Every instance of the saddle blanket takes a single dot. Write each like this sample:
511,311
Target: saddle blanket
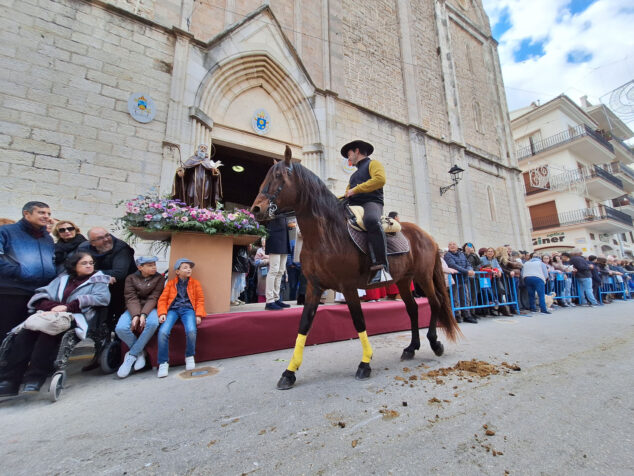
397,243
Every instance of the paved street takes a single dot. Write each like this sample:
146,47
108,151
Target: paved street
569,410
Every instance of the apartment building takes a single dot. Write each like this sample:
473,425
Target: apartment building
578,179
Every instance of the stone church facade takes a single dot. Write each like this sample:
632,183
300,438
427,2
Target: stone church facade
420,80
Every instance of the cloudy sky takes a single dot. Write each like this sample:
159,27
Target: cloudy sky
576,47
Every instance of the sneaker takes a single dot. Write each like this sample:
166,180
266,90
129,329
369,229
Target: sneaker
190,364
272,306
140,361
281,303
126,366
163,369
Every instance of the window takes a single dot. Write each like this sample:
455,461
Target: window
477,116
592,236
492,211
624,237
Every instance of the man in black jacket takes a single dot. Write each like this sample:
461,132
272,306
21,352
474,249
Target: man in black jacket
115,258
366,189
584,277
277,247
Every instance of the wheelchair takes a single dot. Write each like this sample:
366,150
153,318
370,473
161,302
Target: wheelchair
107,350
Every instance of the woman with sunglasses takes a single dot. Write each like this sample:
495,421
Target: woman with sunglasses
68,239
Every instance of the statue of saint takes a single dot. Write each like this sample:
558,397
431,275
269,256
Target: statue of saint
198,181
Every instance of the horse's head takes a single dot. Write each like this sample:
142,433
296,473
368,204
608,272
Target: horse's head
277,192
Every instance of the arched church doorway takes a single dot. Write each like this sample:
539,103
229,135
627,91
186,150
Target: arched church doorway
242,174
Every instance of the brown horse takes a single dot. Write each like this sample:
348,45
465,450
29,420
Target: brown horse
330,260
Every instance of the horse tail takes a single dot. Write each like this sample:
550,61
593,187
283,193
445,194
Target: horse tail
445,316
429,275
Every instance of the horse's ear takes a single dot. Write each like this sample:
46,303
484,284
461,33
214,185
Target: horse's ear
287,156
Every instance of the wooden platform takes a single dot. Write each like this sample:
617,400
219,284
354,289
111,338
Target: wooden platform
249,329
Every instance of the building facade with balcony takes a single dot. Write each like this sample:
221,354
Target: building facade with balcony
578,179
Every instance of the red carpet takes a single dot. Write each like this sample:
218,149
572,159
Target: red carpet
244,333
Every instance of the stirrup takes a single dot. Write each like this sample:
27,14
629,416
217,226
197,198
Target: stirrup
380,276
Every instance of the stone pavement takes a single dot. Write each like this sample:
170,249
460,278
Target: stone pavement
569,410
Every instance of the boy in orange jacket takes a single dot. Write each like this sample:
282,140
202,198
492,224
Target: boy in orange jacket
181,299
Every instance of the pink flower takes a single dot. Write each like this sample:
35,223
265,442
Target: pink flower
164,215
231,216
136,209
184,219
147,217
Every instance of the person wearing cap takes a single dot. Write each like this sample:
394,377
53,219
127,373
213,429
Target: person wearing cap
181,299
142,291
365,189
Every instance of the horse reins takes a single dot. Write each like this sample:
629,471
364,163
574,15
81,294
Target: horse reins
273,197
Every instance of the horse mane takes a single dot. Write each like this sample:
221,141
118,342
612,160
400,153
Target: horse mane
314,198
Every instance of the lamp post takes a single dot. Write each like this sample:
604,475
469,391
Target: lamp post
456,176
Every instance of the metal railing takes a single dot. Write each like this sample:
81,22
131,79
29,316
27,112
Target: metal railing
597,171
618,168
564,285
583,215
481,291
560,138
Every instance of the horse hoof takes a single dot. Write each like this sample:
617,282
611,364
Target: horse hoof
438,349
407,355
363,372
287,380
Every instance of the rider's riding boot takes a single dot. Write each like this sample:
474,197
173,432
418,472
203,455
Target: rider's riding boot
378,256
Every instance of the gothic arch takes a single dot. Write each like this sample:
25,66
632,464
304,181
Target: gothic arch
233,76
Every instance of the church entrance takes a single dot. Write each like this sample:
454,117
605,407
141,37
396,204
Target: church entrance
242,174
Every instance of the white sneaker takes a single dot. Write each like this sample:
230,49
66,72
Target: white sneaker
126,366
140,361
162,370
189,363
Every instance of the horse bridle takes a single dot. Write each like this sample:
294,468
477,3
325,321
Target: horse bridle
272,197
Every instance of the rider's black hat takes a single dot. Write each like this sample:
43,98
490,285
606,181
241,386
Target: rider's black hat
357,144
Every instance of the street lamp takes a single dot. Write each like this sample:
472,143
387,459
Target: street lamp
456,176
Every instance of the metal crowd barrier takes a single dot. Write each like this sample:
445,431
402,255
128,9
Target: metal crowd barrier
557,283
481,291
612,285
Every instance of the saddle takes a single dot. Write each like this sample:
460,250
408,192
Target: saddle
396,241
355,220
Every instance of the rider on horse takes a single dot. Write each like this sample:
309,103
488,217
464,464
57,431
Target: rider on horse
365,189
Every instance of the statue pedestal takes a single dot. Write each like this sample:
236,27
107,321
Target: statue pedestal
212,255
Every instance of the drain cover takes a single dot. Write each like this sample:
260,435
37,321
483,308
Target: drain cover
199,372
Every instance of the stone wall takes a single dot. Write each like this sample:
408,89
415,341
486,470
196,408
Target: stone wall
66,71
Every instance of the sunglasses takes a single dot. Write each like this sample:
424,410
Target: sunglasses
64,230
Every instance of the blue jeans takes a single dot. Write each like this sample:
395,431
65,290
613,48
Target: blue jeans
188,316
124,332
585,291
534,284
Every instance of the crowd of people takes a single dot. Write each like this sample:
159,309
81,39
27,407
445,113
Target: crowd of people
47,287
532,275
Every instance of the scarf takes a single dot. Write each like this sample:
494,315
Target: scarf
65,248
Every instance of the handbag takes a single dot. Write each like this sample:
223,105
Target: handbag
49,322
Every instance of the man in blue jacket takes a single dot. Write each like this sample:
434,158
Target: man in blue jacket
457,260
26,263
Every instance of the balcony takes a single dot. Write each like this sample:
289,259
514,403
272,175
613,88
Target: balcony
582,139
624,204
622,172
600,219
594,181
623,151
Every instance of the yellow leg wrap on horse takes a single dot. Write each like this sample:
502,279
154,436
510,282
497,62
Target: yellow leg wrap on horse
298,353
367,348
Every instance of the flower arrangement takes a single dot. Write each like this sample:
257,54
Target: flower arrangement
153,213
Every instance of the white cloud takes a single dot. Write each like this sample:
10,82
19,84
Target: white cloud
603,30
